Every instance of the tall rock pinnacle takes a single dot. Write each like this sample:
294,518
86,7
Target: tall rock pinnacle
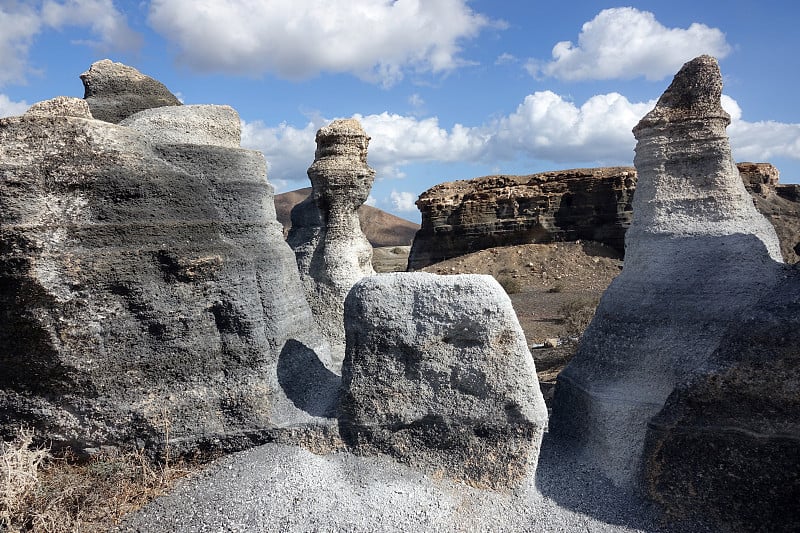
331,250
697,255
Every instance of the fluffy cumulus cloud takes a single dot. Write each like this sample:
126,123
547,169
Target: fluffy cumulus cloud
378,40
762,140
626,43
403,201
22,21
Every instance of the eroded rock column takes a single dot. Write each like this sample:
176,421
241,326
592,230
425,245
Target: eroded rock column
698,256
331,250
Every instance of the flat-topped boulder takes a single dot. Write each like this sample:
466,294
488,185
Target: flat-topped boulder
698,257
115,91
438,375
61,106
332,252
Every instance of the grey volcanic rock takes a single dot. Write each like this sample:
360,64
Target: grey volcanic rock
61,106
214,125
331,251
438,374
115,91
726,444
698,256
148,284
470,215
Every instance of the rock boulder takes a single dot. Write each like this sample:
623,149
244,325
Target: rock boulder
438,374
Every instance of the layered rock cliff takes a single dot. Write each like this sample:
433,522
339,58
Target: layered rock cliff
145,283
466,216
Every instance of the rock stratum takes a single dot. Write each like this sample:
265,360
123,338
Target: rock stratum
145,284
596,204
664,391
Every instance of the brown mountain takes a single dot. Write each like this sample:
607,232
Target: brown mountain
380,227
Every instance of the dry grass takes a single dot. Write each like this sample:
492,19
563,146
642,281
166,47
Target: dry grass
62,494
577,314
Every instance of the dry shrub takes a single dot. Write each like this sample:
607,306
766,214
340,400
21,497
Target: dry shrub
577,314
66,494
510,285
19,476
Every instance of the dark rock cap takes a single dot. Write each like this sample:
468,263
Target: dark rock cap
694,93
115,91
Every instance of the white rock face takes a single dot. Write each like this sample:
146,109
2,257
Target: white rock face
698,255
204,125
331,250
438,374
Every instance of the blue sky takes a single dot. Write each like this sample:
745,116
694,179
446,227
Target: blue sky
447,89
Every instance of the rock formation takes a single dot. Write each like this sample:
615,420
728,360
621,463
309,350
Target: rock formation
725,445
466,216
698,257
115,91
332,252
145,282
438,374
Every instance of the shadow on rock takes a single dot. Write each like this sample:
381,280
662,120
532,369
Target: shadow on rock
305,380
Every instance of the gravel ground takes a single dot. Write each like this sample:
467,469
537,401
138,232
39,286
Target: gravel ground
286,488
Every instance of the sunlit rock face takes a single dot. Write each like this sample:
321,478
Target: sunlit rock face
462,217
145,284
331,250
115,91
438,375
698,256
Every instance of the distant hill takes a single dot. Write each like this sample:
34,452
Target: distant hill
380,227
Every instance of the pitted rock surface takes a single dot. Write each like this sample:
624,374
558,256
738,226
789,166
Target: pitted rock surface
146,285
332,252
115,91
438,374
698,257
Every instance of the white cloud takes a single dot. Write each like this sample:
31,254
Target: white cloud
21,22
9,108
760,141
544,127
106,22
371,201
403,201
626,43
505,59
296,39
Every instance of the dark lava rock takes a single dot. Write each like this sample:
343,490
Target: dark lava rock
115,91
